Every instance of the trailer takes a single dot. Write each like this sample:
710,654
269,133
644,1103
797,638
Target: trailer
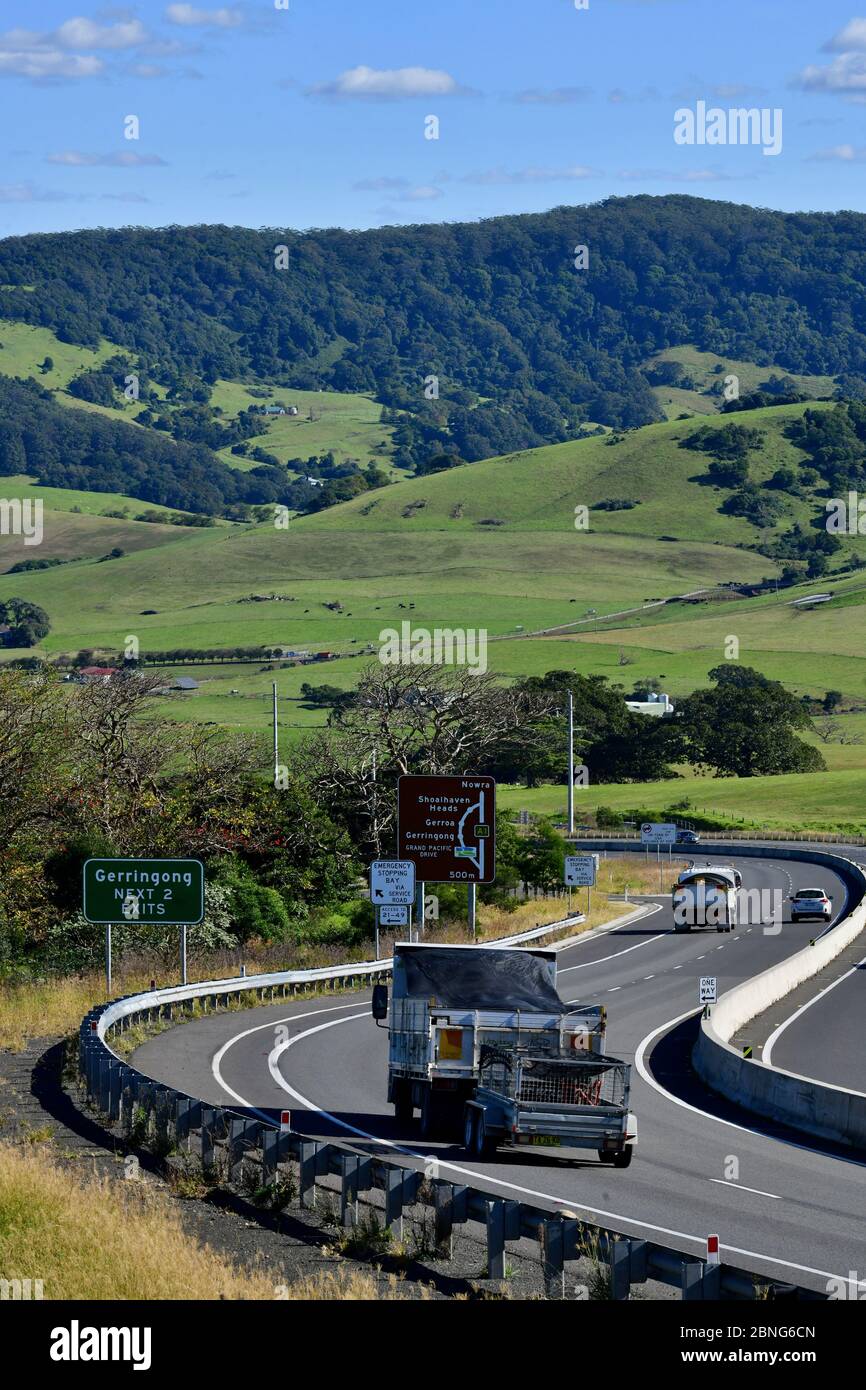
481,1043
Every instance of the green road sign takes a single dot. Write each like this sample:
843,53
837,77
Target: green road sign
170,891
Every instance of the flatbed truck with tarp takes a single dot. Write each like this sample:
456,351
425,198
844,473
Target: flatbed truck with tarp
481,1043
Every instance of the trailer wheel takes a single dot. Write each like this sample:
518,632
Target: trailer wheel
623,1158
482,1145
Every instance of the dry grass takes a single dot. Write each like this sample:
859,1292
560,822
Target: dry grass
94,1239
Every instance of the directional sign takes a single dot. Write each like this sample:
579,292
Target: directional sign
447,826
392,881
658,833
580,870
708,989
139,891
393,916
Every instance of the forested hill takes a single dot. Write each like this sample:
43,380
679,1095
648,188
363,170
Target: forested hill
526,345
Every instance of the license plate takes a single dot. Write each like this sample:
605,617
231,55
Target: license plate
542,1139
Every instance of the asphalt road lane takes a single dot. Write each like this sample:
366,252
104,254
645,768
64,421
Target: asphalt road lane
791,1210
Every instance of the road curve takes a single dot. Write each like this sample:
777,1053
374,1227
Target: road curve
791,1209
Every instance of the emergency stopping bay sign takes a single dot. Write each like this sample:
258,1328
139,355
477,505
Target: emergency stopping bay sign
143,890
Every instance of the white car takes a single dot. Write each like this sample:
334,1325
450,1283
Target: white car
811,902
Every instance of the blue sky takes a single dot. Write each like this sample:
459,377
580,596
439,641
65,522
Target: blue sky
315,115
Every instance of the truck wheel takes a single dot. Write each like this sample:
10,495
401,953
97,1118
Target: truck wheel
431,1115
403,1107
622,1159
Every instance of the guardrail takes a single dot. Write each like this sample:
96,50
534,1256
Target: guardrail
230,1142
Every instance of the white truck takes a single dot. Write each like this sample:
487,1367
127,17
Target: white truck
705,895
482,1044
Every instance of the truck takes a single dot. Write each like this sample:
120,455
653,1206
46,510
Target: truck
480,1042
705,895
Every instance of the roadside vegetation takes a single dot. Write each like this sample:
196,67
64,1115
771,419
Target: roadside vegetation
87,1238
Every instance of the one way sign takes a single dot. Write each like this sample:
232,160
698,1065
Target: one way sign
392,883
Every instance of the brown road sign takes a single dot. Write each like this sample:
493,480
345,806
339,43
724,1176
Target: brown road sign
447,827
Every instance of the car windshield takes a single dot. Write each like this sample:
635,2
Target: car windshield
810,893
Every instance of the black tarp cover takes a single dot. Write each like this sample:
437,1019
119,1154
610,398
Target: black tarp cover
479,978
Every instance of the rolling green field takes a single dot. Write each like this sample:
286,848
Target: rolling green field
809,801
347,425
703,367
489,546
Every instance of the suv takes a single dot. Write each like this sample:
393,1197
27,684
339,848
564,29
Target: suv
811,902
688,837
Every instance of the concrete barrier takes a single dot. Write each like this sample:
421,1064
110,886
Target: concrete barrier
815,1107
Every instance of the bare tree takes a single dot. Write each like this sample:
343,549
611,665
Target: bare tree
408,719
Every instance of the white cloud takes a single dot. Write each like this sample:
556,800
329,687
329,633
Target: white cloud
121,159
402,189
395,84
191,17
44,64
554,96
84,33
534,174
680,176
57,55
27,193
851,37
845,76
840,154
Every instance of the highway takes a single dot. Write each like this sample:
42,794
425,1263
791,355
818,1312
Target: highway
789,1207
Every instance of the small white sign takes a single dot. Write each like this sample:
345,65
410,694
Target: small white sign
580,870
392,882
393,915
708,989
658,833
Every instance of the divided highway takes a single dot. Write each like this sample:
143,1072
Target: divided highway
792,1209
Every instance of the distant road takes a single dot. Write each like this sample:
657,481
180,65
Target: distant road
599,618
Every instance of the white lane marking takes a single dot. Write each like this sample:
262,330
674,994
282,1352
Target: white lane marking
677,967
705,1114
757,1191
216,1071
273,1066
773,1038
616,954
649,977
613,989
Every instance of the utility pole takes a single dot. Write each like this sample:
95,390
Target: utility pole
276,738
570,762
